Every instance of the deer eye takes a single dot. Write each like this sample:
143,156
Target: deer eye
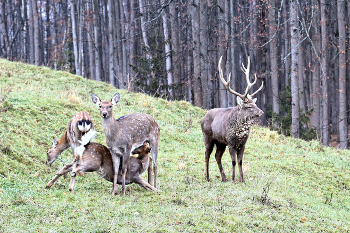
110,106
99,106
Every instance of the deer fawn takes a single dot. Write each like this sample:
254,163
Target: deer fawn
230,126
97,157
125,134
80,131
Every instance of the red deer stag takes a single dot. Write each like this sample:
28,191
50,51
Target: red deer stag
125,134
80,131
230,126
97,157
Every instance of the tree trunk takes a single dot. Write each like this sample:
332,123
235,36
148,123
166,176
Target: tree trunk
81,63
167,54
203,47
198,99
233,6
37,47
90,37
98,47
343,124
75,37
145,39
175,46
316,92
301,74
273,57
4,30
111,21
294,30
324,70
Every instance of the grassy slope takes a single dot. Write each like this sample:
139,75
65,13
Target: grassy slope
302,175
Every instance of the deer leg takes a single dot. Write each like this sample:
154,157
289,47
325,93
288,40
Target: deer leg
125,162
155,171
208,149
72,179
63,171
150,171
154,153
116,163
233,158
218,155
240,160
138,180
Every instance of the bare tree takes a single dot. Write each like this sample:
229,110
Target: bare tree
324,70
294,31
111,35
75,37
343,123
196,54
273,56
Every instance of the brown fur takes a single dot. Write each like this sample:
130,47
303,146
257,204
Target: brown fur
124,134
230,127
72,137
98,158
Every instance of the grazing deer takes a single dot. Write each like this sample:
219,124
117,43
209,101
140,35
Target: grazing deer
125,134
230,126
80,131
97,157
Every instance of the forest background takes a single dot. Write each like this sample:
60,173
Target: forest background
171,49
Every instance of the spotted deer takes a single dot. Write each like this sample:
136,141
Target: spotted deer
98,158
125,134
80,131
230,126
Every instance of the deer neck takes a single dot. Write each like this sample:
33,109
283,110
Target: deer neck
238,127
110,125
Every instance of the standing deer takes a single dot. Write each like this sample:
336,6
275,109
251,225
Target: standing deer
125,134
230,126
97,157
80,131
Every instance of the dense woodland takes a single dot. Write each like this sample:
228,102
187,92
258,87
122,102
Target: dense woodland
171,49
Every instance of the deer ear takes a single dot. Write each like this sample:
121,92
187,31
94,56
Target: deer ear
254,100
115,99
95,99
55,142
239,101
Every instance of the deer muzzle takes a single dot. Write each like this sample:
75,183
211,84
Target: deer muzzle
260,112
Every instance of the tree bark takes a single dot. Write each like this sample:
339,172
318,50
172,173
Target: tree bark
343,124
324,70
273,56
316,92
198,99
75,37
98,47
145,39
111,21
175,47
203,47
294,30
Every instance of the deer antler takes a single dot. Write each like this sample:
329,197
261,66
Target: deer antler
227,84
246,72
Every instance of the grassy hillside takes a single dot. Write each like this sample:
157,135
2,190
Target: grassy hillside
291,185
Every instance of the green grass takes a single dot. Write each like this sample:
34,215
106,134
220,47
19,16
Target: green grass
306,186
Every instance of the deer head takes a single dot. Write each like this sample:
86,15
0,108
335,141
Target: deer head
106,107
52,153
246,97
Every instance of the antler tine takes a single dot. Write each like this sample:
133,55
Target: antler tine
226,84
256,92
246,72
